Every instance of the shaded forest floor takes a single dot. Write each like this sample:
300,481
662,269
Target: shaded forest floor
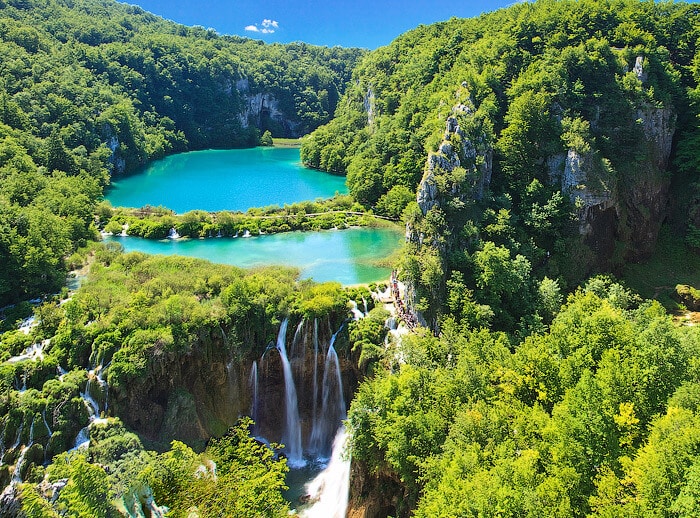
672,263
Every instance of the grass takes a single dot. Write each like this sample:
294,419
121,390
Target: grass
672,263
286,142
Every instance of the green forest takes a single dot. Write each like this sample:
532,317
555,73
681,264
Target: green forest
545,160
91,89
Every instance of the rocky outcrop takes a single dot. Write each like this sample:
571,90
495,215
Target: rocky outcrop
259,109
373,495
10,502
194,395
628,205
370,106
117,162
441,184
473,153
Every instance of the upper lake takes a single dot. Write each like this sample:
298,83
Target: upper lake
215,180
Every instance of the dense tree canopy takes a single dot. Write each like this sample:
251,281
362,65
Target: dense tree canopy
93,88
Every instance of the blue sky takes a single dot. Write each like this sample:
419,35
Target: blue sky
359,23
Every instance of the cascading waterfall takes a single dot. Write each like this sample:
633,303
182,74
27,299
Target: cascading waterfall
356,313
328,493
292,436
82,440
323,411
298,344
46,424
17,473
333,409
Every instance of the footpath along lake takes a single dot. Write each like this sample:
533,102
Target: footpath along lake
243,178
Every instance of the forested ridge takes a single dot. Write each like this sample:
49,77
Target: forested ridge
567,124
525,150
91,89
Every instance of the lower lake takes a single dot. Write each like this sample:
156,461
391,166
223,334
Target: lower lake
235,179
349,256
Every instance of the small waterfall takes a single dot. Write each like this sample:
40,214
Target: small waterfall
364,302
173,234
356,313
96,391
46,424
329,491
31,432
295,351
254,391
19,436
333,409
292,436
16,474
82,440
34,352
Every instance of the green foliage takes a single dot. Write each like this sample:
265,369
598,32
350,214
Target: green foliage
337,212
581,419
266,139
92,88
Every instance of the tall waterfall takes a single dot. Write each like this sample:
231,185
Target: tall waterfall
314,395
333,410
292,435
329,491
254,391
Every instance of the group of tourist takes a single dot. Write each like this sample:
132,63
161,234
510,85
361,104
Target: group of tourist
404,313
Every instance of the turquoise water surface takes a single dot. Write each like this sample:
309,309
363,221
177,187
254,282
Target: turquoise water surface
234,179
347,256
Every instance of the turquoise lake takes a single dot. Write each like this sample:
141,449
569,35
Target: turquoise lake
347,256
235,179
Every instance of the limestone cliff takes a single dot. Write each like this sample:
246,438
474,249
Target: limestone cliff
198,394
460,170
627,205
261,109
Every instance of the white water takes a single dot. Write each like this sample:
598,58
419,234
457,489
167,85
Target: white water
254,389
173,234
33,352
292,435
332,404
356,313
94,383
328,492
46,424
16,474
315,392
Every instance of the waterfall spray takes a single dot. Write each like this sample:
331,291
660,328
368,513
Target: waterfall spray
333,409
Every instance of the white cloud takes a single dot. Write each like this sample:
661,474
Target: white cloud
267,26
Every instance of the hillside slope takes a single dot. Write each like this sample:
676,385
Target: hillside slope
546,129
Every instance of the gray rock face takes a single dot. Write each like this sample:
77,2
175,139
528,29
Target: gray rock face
475,155
632,211
257,106
10,503
118,163
369,104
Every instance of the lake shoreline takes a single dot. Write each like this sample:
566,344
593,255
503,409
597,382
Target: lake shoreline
351,256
